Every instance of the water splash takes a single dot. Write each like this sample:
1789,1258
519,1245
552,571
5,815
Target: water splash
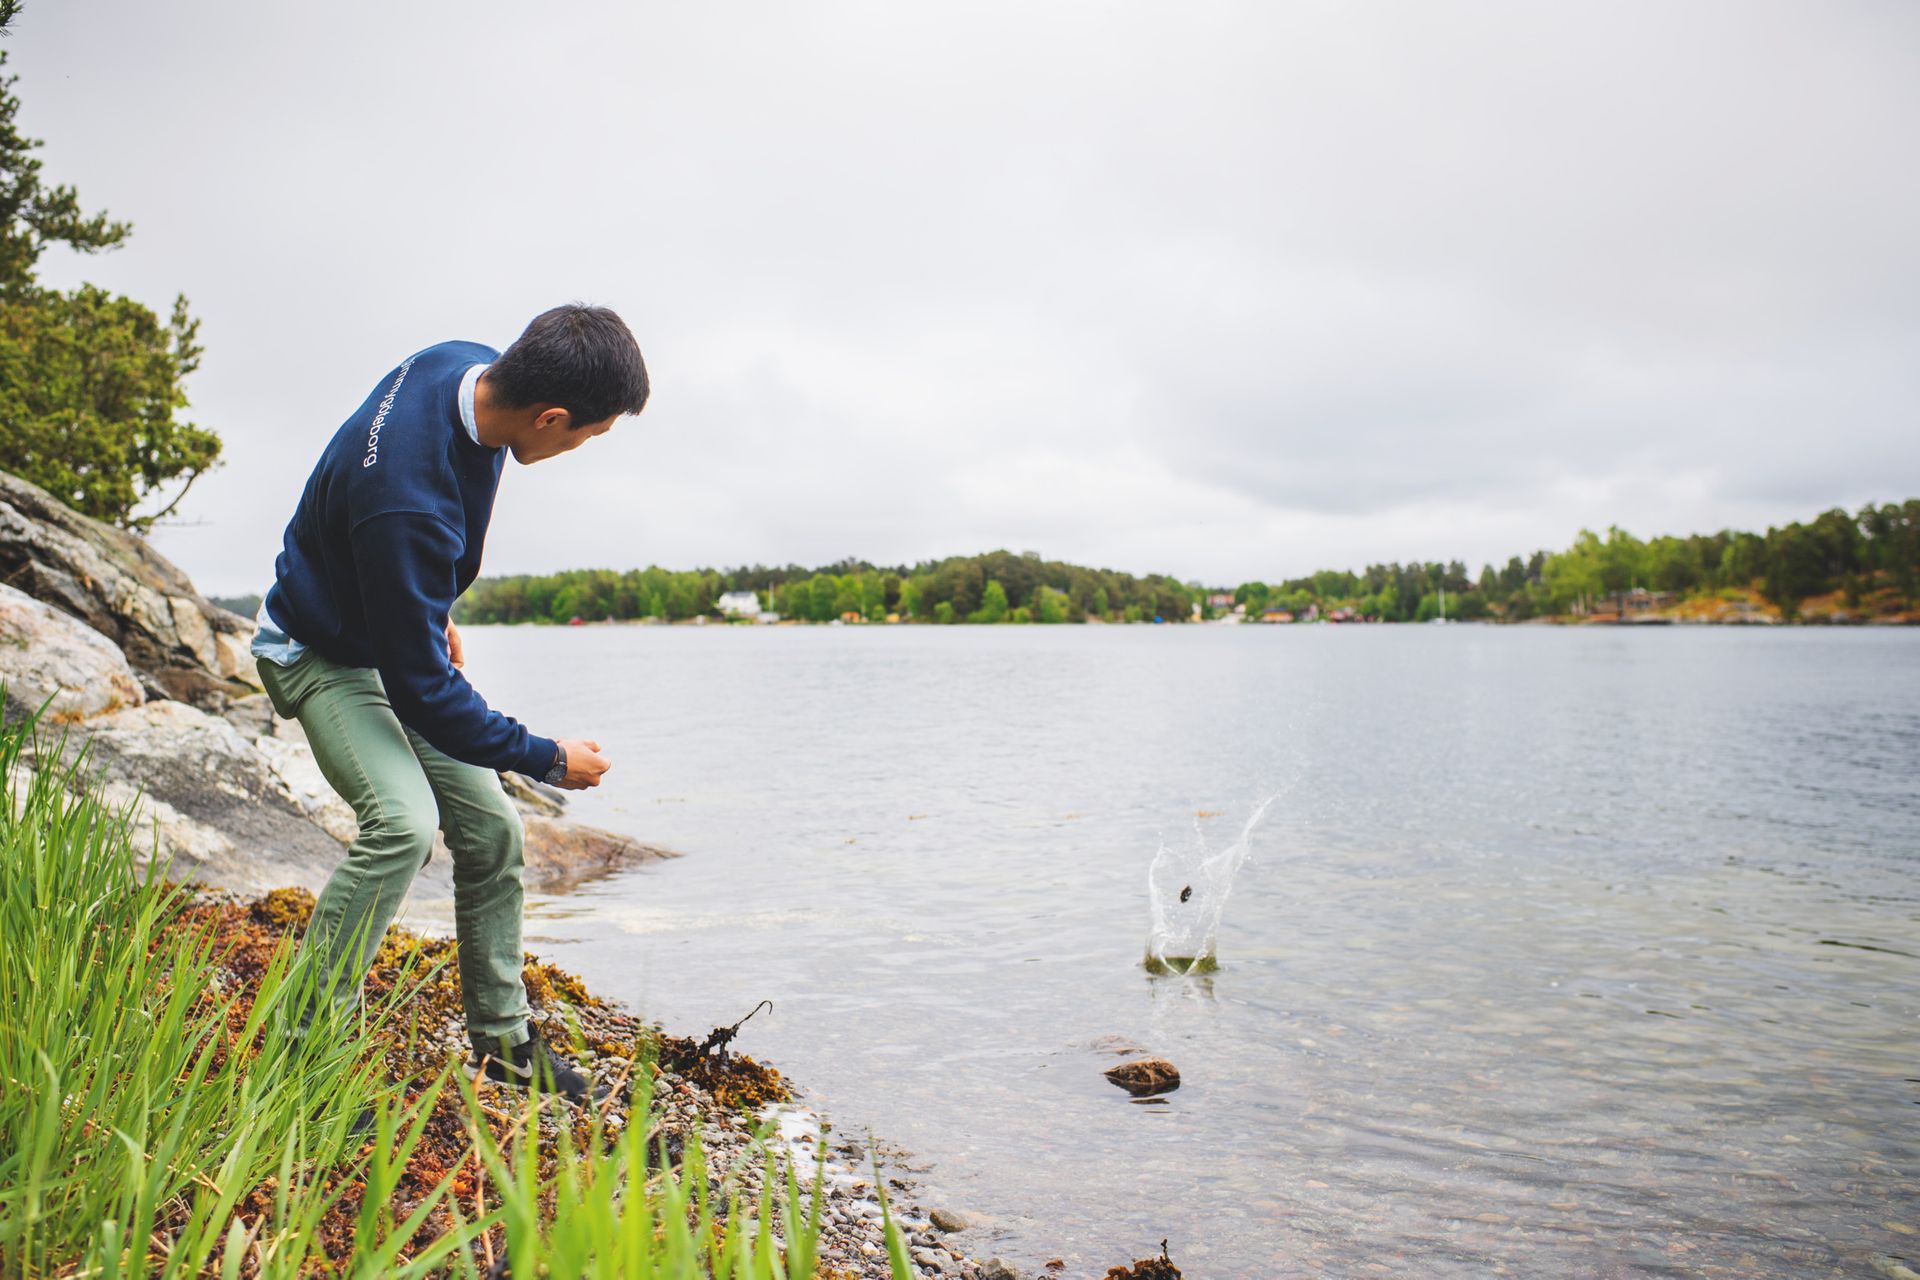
1187,889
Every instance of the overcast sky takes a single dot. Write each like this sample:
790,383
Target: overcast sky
1226,291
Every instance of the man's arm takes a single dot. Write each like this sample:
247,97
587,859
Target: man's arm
405,562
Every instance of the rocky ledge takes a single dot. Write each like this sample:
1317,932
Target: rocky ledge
154,683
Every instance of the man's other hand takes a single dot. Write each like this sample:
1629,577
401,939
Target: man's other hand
455,653
585,764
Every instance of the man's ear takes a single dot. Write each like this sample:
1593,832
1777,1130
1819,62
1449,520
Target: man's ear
553,416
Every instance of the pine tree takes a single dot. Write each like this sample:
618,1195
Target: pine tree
90,382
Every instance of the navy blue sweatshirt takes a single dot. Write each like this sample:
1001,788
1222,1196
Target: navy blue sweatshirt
387,535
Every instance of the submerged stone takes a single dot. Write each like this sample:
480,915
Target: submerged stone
1145,1076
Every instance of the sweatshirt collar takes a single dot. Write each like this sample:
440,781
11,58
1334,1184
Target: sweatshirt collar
468,381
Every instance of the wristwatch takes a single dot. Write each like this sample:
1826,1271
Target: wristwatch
557,774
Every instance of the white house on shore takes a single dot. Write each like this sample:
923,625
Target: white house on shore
739,604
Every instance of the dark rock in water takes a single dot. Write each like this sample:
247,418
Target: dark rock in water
948,1220
1186,893
1145,1076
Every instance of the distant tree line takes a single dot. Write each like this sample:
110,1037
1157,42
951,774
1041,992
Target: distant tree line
1382,592
1874,550
996,587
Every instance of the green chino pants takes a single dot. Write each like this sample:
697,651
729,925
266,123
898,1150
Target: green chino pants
402,789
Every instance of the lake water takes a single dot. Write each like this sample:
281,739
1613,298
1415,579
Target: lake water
1565,952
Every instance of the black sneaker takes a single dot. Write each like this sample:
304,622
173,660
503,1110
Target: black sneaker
531,1064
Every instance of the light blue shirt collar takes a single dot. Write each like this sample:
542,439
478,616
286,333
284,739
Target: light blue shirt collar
467,383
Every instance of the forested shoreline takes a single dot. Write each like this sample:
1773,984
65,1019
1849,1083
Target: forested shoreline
1868,562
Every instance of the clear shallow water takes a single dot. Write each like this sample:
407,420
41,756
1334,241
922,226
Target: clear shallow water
1566,952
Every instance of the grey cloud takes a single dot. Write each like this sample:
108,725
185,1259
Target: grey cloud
1222,289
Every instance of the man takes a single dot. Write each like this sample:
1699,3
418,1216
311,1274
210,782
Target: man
356,643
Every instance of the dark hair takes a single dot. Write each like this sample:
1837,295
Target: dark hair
578,357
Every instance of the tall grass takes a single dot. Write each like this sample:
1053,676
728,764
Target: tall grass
138,1104
155,1122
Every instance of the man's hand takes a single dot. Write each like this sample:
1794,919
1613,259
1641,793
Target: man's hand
455,654
585,764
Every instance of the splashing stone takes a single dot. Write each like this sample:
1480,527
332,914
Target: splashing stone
1187,890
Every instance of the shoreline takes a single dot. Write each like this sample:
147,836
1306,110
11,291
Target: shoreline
735,1108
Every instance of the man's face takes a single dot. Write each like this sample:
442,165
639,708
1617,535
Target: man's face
551,436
